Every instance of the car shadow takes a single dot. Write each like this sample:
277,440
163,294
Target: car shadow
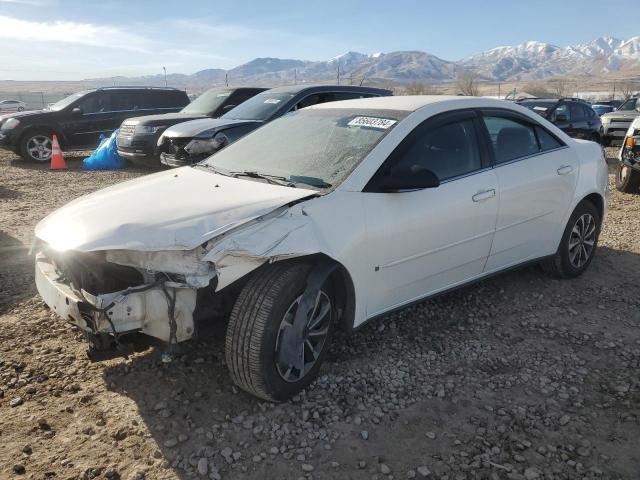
190,406
73,161
16,272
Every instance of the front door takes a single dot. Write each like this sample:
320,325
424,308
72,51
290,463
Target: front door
424,241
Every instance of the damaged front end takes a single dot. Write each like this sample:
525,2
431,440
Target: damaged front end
179,151
119,292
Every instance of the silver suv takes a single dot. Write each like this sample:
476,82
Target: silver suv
615,124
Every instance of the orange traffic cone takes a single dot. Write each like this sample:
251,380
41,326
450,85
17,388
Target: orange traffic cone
57,160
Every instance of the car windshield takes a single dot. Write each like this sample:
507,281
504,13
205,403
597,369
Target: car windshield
317,148
541,108
602,109
260,107
208,102
631,104
65,102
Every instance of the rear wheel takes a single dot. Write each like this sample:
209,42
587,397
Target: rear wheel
579,243
36,146
264,309
627,179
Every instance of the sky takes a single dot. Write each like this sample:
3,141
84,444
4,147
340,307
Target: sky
79,39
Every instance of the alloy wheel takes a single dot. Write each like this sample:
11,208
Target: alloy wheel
39,148
313,338
582,240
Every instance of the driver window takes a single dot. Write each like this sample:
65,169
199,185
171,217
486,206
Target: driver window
96,103
448,150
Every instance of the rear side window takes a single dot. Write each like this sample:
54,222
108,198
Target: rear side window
351,95
510,139
546,140
577,112
449,150
124,101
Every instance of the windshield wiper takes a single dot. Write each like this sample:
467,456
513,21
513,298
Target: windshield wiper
215,169
274,179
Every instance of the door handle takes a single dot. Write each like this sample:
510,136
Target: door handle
484,195
564,170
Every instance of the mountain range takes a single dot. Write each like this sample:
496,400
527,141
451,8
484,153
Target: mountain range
527,61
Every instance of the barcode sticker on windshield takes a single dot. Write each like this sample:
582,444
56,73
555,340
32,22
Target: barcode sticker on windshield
372,122
272,100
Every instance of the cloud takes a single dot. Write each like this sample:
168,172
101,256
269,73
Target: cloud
87,34
31,3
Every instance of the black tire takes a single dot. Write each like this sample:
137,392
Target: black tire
595,137
21,109
25,146
627,179
605,141
561,265
254,324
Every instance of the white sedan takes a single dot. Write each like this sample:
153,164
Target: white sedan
12,106
327,217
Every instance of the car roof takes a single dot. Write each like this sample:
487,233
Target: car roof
295,89
410,103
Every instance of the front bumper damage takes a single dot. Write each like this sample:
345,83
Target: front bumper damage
160,308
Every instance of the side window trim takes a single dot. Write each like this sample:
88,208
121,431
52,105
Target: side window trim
430,123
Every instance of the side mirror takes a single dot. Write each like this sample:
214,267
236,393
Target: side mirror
409,179
562,117
226,108
76,112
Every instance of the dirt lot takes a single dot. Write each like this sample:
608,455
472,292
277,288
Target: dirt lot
518,377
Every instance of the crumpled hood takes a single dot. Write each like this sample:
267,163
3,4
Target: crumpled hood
203,127
173,210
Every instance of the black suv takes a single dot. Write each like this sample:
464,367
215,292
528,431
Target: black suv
572,115
192,141
79,119
138,136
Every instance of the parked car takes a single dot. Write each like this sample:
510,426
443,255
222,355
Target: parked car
79,119
12,106
193,141
616,124
573,116
628,172
602,109
138,137
324,218
612,103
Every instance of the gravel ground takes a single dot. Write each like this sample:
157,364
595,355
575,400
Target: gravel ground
517,377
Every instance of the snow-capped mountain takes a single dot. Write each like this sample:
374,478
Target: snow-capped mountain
536,60
526,61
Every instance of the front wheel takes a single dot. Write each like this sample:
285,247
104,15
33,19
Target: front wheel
36,146
579,243
627,179
265,308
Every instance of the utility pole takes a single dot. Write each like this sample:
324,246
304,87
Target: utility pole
295,76
614,90
164,69
338,72
499,90
226,78
351,79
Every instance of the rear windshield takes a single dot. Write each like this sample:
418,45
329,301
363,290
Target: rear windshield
208,102
260,107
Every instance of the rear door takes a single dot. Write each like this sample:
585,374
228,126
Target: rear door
536,175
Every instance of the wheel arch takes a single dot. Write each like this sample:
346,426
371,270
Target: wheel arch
54,131
596,200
